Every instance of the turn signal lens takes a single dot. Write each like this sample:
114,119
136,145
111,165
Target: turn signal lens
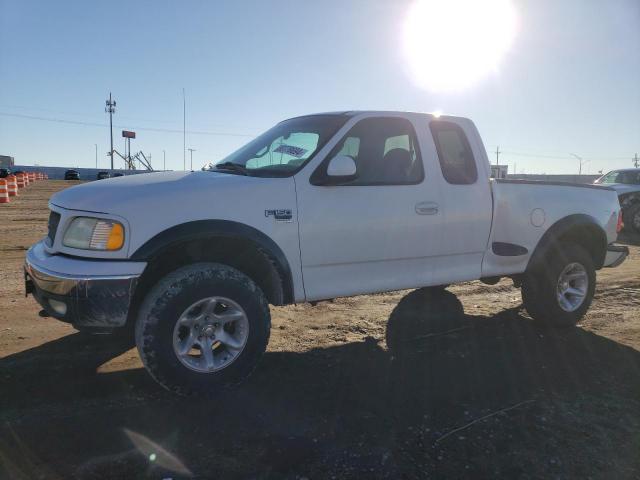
116,237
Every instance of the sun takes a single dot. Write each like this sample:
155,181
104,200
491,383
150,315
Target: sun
451,44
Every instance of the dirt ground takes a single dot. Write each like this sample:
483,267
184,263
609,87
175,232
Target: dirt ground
493,395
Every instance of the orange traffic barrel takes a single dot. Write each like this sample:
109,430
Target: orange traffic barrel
26,179
32,177
12,186
20,180
4,193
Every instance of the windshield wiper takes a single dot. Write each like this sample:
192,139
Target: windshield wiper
232,167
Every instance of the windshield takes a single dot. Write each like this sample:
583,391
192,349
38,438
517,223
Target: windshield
284,149
625,177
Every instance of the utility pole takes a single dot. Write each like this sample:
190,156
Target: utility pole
164,161
184,131
191,150
636,161
110,109
497,156
96,145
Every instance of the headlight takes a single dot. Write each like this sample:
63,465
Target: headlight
94,234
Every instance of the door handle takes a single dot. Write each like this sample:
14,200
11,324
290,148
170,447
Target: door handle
427,208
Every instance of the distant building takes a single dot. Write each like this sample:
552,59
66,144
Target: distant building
499,171
6,161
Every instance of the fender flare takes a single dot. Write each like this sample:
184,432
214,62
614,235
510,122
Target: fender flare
564,226
202,229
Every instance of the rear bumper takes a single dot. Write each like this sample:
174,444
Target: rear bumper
67,291
616,254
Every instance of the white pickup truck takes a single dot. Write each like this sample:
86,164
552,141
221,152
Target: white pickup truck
319,206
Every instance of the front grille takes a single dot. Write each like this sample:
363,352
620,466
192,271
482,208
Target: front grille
54,220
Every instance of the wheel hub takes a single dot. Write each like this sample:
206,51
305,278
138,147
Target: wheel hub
573,285
210,334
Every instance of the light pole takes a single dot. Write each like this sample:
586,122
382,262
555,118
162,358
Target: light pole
164,161
582,162
184,130
191,150
96,145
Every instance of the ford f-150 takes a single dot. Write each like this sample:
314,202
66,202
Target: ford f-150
318,207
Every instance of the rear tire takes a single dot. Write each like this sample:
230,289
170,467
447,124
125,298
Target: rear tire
631,218
202,328
560,292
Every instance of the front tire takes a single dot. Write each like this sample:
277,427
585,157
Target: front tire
560,292
202,328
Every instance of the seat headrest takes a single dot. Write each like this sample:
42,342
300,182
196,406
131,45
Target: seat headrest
396,165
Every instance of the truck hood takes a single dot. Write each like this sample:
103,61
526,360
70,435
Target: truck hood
150,190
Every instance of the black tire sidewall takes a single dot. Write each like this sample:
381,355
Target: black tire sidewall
539,292
630,216
165,303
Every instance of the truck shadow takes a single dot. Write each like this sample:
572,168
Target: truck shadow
350,405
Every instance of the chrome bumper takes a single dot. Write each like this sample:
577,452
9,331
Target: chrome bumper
80,299
616,254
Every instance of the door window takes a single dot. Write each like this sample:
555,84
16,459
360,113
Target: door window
385,151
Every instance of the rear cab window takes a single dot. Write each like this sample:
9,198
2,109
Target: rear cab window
454,153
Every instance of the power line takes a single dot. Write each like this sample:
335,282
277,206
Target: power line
102,125
555,157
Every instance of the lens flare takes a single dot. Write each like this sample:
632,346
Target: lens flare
451,45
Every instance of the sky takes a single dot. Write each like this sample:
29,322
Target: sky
568,83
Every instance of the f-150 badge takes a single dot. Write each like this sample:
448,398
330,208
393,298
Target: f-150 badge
284,215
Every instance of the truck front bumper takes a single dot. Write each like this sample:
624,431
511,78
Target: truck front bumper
86,293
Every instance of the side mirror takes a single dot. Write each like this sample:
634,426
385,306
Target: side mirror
341,168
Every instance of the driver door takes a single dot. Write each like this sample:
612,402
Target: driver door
378,232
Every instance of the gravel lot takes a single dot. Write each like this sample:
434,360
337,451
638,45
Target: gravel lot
495,396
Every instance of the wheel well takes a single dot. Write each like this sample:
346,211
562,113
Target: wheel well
589,237
578,229
242,254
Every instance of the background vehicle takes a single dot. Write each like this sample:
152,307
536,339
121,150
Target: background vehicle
71,175
102,175
118,174
627,183
4,172
318,207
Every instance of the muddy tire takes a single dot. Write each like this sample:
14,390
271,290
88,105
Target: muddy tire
631,217
202,328
560,293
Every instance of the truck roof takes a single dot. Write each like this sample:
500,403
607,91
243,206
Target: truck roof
353,113
625,170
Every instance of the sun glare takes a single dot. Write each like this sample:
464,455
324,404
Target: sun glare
450,45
